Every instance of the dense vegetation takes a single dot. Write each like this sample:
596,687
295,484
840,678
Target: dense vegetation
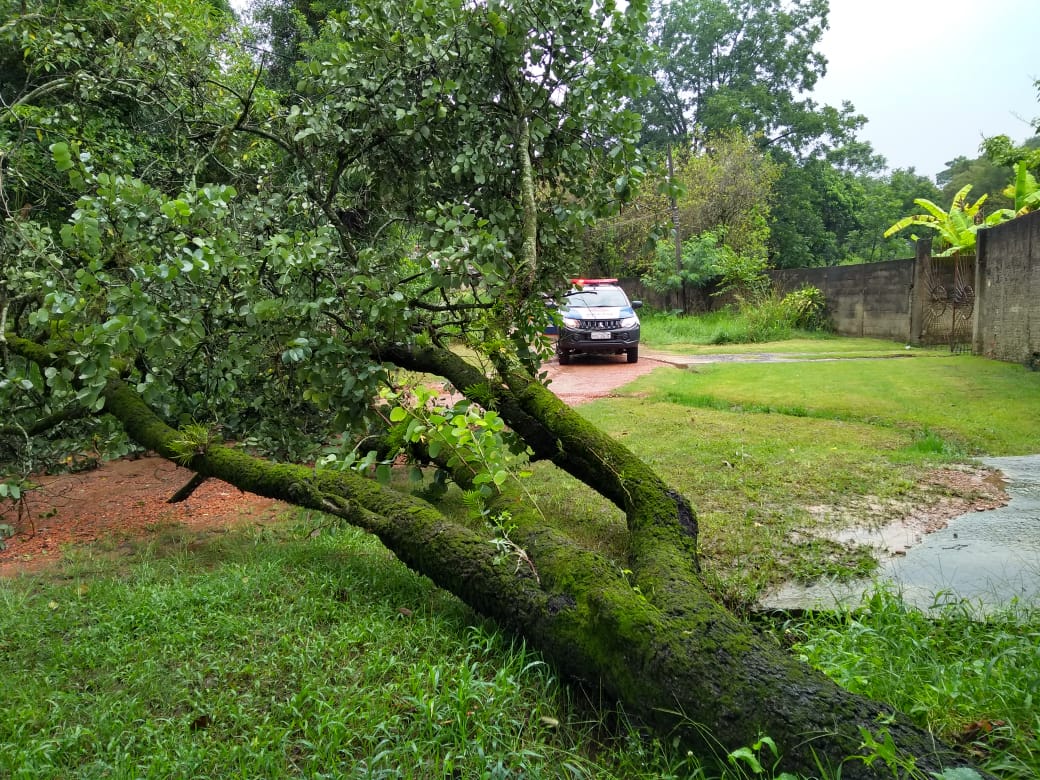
812,193
234,247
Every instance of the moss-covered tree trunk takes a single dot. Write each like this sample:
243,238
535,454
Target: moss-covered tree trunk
657,643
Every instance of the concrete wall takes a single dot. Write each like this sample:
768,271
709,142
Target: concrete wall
899,299
872,299
1007,284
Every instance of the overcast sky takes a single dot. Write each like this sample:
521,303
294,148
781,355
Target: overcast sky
934,76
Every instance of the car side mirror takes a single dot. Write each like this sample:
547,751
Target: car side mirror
636,304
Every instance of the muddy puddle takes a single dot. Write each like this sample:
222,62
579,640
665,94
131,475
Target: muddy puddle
990,559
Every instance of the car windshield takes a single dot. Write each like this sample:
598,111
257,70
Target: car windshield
598,296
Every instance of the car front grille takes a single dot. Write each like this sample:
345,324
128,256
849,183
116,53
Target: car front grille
600,324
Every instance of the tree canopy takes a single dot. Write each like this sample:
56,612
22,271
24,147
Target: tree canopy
241,242
744,64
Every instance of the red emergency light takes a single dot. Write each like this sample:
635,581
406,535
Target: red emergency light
592,282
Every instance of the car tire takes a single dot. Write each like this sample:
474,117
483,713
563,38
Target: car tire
633,355
565,358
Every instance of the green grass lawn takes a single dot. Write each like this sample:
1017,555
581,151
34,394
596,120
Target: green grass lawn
772,454
303,650
979,406
277,653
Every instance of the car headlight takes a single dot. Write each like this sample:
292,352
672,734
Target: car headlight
630,322
570,322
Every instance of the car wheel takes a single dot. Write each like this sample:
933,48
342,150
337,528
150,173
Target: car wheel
633,355
565,358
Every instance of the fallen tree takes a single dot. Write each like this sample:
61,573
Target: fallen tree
653,639
424,183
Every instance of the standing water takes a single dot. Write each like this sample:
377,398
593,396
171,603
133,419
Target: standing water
990,559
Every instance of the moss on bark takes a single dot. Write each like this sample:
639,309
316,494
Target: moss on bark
659,644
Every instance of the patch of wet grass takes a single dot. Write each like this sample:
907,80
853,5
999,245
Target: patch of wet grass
971,677
975,406
285,654
777,456
753,480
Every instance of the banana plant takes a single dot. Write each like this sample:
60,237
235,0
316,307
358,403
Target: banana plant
1025,191
957,228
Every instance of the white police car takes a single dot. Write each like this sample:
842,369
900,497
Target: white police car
596,316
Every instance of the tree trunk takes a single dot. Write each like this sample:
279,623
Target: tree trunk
659,643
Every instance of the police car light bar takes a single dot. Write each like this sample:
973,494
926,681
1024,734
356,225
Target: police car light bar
588,282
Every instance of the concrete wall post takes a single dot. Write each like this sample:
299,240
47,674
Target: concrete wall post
918,289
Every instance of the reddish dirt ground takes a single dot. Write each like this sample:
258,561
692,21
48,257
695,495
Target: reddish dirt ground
128,498
596,376
122,498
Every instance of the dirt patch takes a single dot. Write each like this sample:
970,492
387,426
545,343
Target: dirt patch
595,376
122,498
893,526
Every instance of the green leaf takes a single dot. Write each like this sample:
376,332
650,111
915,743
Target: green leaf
497,24
746,756
62,156
398,413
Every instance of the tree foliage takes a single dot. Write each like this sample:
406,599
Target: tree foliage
741,64
724,189
824,214
749,67
814,209
246,247
703,258
985,177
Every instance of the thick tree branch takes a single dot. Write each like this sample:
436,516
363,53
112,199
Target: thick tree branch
45,423
665,649
529,209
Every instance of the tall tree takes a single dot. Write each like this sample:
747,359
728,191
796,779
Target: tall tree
752,65
745,64
421,188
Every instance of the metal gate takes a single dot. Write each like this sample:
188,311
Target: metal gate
950,304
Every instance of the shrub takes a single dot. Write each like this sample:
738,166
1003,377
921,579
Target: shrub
770,317
806,308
